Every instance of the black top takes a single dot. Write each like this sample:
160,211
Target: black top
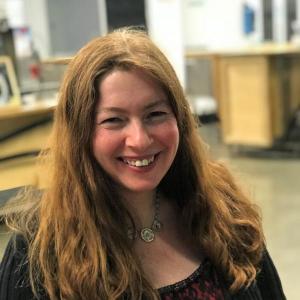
205,281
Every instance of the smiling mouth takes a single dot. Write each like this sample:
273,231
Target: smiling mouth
139,162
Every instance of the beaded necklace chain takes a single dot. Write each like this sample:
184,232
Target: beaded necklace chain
147,234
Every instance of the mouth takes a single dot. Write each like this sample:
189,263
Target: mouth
141,162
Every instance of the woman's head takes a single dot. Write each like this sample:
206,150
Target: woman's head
123,50
136,135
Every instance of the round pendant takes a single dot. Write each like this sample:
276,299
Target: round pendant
147,235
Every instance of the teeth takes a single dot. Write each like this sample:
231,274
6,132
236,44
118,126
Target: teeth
139,163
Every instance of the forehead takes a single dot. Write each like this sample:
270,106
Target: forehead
129,87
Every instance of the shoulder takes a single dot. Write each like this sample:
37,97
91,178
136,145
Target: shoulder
14,275
267,284
268,280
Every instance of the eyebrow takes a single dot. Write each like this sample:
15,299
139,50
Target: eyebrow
121,110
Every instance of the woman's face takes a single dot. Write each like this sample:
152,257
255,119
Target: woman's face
136,135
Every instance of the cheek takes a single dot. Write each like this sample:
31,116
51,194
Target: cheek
104,144
169,134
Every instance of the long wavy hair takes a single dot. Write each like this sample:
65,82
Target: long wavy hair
75,230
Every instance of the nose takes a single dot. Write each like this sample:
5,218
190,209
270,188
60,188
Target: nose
138,136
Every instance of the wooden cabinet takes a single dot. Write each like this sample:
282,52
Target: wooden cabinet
244,104
257,90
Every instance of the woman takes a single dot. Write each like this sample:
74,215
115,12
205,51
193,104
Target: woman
135,208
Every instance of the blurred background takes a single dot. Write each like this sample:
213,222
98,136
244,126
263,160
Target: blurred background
239,64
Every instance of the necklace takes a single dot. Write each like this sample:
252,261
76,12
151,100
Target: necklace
147,234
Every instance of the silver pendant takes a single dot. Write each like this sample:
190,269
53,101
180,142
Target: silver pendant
147,235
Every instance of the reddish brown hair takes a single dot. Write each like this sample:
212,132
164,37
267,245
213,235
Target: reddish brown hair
77,244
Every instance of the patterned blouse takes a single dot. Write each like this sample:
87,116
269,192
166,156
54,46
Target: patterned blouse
203,284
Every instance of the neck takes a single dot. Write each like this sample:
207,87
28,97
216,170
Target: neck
141,206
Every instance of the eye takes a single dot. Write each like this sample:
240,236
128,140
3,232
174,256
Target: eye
156,115
113,122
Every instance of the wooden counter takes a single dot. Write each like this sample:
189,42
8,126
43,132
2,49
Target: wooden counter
24,130
13,118
257,89
37,108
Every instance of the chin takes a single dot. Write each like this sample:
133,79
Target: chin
140,188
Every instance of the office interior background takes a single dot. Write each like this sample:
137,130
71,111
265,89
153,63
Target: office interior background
238,61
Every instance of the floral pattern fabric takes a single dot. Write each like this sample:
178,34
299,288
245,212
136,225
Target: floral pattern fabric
203,284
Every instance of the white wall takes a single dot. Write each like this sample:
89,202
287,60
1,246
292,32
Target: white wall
14,10
37,20
218,23
280,31
213,23
298,9
165,24
103,26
